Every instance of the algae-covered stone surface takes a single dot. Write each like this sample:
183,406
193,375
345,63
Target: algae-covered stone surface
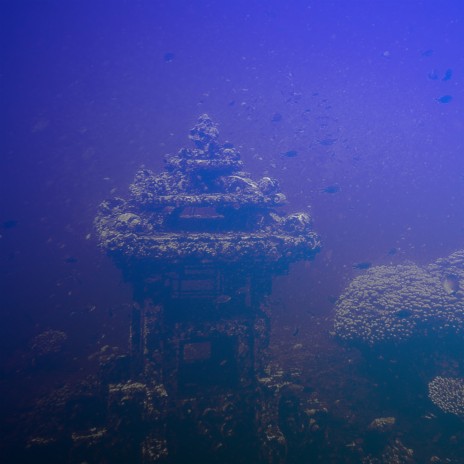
204,206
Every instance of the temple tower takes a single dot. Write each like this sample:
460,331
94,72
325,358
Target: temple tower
200,243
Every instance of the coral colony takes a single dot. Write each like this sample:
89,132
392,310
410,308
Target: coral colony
398,303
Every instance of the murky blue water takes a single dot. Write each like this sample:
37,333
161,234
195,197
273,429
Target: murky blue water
355,107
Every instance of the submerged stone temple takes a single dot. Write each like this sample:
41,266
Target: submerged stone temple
200,243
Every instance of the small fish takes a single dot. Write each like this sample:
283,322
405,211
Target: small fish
451,284
306,113
362,265
403,313
168,57
326,142
448,75
335,188
392,251
242,290
433,75
222,299
276,117
294,97
296,331
427,53
332,299
290,154
445,99
70,260
9,224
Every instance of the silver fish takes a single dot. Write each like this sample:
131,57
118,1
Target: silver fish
222,299
451,284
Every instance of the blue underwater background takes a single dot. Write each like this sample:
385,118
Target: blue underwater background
356,107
